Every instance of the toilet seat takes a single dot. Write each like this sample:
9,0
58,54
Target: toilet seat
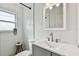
25,53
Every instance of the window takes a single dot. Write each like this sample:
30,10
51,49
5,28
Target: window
7,21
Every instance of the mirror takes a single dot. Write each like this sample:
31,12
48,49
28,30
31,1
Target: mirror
55,16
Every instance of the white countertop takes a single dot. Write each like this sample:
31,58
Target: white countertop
60,48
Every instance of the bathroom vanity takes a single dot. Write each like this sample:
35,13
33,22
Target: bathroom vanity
46,48
39,51
42,50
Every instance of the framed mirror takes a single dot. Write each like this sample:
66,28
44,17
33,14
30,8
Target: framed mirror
54,16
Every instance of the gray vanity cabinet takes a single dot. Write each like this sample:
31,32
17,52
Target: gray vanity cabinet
55,54
38,51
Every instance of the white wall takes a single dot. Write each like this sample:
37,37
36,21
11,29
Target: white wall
39,32
69,35
78,23
8,39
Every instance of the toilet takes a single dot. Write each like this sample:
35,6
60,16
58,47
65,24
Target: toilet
26,52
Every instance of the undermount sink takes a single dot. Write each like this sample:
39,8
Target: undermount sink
49,44
52,44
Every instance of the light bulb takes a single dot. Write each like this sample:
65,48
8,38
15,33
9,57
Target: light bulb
50,8
47,4
57,5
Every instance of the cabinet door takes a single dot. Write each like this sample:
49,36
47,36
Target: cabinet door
38,51
55,54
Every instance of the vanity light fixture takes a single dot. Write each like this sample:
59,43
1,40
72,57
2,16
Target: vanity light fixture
47,4
50,7
57,5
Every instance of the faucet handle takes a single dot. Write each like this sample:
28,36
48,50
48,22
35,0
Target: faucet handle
48,39
57,40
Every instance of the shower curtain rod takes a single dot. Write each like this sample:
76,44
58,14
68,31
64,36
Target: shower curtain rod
25,6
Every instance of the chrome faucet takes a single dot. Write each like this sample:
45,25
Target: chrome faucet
52,39
51,34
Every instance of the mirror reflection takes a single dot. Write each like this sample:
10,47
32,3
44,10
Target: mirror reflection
54,16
